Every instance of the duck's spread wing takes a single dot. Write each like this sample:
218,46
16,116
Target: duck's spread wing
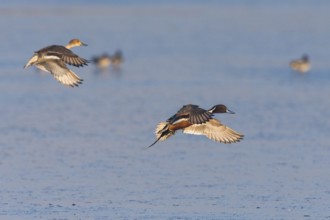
214,130
66,55
199,116
61,73
193,113
73,59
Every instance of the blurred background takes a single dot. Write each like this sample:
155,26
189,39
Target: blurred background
79,153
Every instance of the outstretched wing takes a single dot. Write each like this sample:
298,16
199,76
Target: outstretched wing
214,130
193,113
66,55
73,59
60,72
199,116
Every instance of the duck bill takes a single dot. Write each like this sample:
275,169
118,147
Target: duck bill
230,112
83,44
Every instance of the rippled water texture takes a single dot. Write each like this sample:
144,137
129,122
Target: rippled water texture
80,153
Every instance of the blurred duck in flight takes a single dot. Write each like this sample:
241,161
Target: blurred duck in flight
194,120
301,65
53,59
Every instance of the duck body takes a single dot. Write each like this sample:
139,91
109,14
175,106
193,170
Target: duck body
192,119
102,62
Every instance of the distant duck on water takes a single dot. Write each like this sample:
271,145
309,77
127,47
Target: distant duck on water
194,120
117,59
301,65
53,59
104,61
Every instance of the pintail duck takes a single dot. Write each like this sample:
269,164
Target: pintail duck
195,120
105,60
53,59
301,65
102,62
117,58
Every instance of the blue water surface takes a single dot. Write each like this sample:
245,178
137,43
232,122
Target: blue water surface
79,153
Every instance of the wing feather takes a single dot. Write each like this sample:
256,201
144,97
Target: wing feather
214,130
66,55
61,73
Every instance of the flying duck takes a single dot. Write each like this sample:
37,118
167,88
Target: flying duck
53,59
192,119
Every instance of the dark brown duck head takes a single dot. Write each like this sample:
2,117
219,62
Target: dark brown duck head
305,58
220,109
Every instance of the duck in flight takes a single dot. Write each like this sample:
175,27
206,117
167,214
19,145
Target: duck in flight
192,119
53,59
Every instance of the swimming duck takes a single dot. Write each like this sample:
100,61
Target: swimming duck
194,120
117,58
53,59
104,61
301,65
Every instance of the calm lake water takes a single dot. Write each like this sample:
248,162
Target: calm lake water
80,153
